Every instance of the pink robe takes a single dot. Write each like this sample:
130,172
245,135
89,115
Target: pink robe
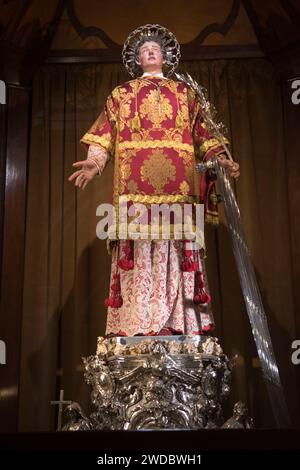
157,294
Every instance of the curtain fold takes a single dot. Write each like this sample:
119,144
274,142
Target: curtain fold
67,268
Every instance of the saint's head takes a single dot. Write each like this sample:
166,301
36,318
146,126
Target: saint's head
150,55
151,48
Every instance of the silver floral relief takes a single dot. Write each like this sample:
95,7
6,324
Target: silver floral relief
161,383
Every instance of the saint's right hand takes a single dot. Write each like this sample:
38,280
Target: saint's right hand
87,171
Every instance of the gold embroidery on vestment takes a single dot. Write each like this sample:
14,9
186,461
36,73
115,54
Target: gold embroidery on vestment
156,108
158,170
184,187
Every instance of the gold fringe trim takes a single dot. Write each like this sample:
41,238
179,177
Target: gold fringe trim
164,198
120,232
212,219
96,139
146,144
210,144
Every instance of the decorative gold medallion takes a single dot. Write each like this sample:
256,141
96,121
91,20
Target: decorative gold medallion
158,170
156,108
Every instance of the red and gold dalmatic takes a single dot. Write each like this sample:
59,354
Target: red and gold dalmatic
154,130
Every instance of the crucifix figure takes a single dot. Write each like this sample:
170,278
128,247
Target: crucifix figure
61,402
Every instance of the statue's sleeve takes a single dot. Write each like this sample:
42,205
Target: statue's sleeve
99,156
206,146
104,130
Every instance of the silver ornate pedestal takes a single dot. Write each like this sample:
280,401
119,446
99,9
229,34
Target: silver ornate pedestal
167,382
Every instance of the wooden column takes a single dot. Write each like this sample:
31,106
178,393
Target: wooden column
12,263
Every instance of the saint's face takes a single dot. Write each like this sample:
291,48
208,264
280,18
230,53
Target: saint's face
150,57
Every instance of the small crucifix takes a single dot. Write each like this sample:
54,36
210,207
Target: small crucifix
61,402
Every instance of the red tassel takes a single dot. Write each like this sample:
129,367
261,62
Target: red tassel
115,300
200,297
188,265
113,303
126,263
208,328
